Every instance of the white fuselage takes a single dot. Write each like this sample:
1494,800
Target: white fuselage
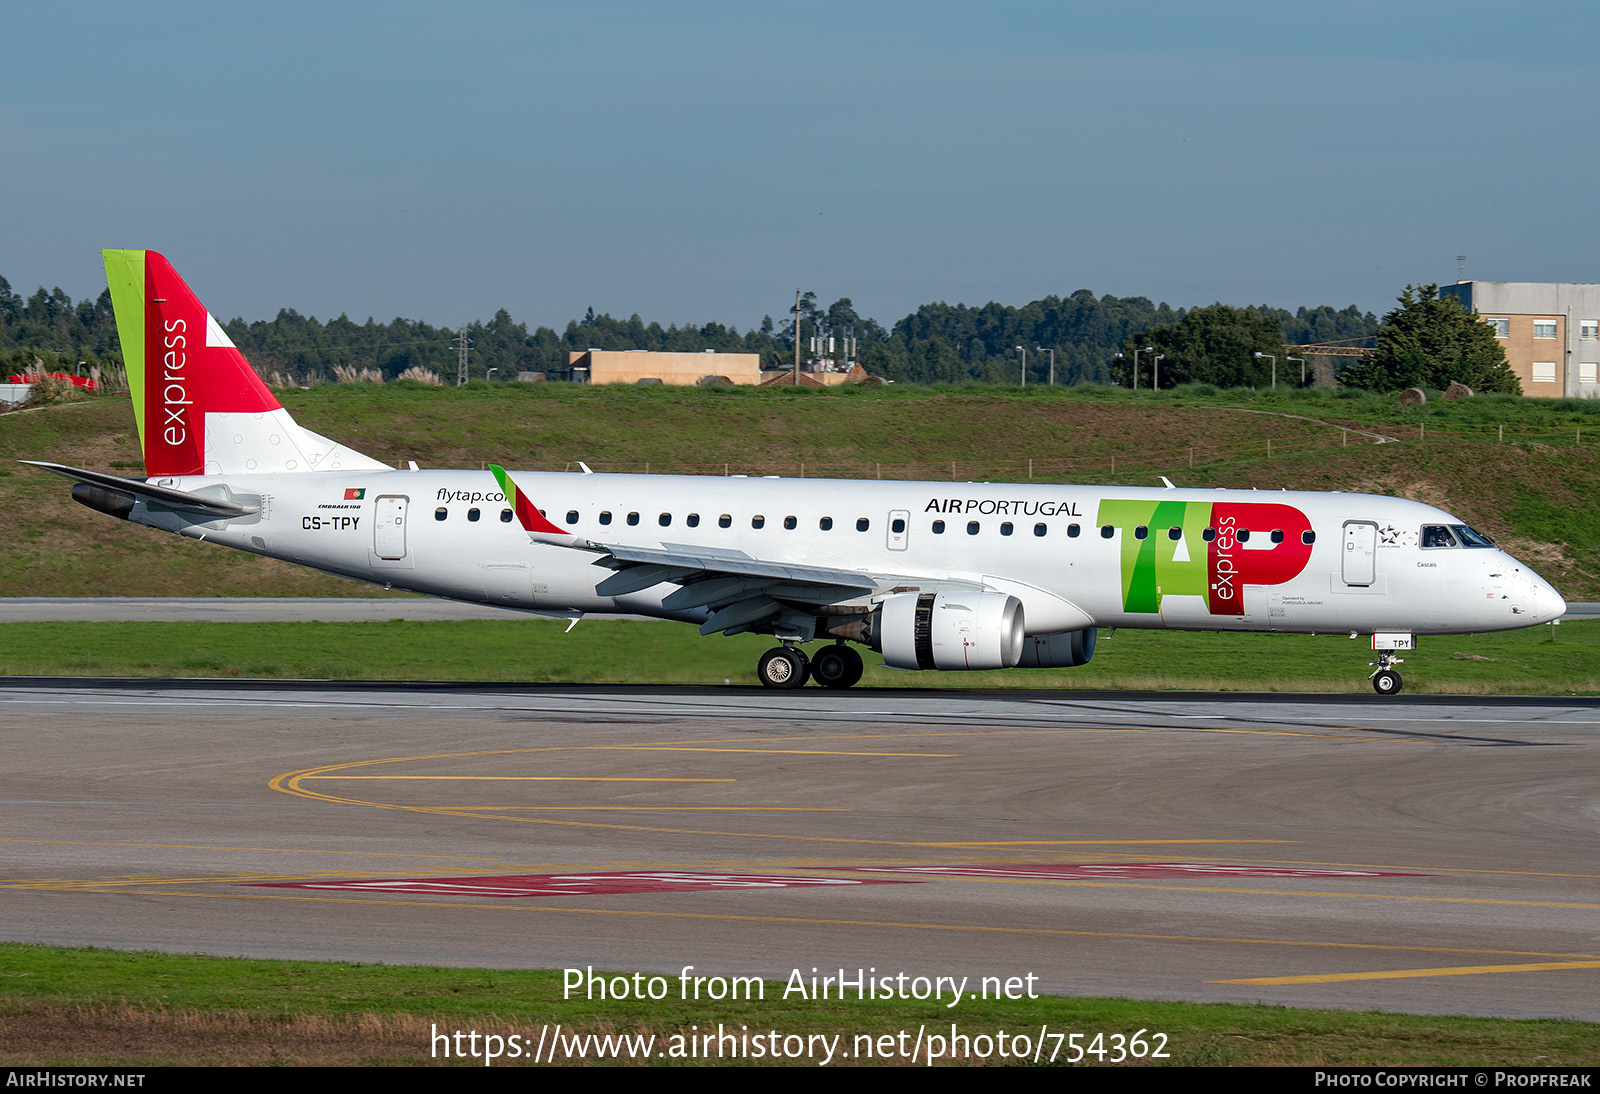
1075,556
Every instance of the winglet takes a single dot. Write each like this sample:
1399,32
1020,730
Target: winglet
527,515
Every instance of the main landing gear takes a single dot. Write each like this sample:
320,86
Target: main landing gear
837,666
1385,681
786,667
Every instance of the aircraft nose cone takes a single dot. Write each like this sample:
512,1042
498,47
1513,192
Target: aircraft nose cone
1543,603
1549,604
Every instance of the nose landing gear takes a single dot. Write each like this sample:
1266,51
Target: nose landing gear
1385,681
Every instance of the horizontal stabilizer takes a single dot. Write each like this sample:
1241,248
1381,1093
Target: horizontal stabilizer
155,495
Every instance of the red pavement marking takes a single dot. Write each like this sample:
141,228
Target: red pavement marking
597,884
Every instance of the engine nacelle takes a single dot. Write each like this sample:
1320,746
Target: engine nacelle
965,630
1066,650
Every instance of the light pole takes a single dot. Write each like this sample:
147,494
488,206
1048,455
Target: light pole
1136,353
1024,365
1302,361
1274,361
1052,354
1157,360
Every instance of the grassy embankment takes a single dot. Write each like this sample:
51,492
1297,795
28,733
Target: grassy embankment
99,1007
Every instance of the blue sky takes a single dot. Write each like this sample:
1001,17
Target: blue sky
700,161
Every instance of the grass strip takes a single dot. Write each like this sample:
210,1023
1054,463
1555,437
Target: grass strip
1562,660
90,1007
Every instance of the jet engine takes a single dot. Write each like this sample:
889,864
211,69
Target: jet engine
950,630
1069,649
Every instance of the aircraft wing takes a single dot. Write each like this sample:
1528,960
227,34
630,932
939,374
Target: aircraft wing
740,590
733,563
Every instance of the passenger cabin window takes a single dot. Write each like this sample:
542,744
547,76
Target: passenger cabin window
897,525
791,523
758,522
692,520
1174,534
725,521
474,514
572,516
1209,535
633,518
1277,535
862,524
1308,537
505,516
1040,529
665,520
1244,535
938,527
972,527
605,516
440,513
1072,531
826,524
1141,531
1437,535
1106,531
1005,528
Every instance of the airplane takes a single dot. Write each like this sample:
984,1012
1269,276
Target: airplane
931,576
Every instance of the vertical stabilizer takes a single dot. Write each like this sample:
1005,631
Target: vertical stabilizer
201,408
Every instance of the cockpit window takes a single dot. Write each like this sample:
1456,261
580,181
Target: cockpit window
1437,535
1470,537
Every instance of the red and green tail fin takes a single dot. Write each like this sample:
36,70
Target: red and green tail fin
181,366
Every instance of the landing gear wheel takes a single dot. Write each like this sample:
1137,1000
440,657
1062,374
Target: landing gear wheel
836,667
1386,682
784,668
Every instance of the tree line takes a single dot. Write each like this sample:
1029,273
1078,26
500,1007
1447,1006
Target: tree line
1084,338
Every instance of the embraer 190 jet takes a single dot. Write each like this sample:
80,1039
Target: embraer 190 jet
948,576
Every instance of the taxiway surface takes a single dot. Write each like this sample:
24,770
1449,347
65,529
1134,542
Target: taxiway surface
1420,854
